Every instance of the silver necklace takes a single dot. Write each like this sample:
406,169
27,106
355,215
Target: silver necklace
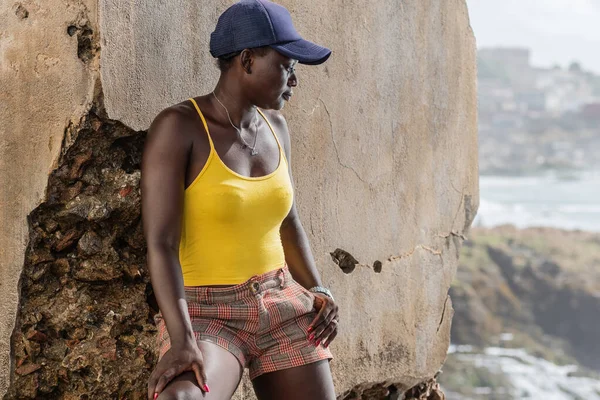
239,131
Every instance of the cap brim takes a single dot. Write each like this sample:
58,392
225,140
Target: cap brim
304,51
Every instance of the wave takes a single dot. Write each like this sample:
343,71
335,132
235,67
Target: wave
540,201
531,377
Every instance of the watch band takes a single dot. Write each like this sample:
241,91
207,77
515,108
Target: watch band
321,289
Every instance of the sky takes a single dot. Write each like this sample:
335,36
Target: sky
556,31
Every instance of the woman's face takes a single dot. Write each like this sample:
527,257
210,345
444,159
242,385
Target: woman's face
272,78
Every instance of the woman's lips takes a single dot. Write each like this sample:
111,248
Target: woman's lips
286,95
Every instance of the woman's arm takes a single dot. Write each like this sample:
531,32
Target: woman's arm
164,162
324,326
298,254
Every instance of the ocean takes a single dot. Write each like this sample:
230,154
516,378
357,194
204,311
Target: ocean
528,377
561,201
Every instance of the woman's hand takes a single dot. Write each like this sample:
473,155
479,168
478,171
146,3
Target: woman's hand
174,362
324,327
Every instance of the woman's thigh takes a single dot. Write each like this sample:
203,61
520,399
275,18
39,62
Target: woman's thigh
223,373
311,381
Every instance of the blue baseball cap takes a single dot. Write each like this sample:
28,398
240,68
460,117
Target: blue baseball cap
256,23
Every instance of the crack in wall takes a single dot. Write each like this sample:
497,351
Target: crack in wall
411,252
337,152
443,313
348,263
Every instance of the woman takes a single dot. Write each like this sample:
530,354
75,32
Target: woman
229,260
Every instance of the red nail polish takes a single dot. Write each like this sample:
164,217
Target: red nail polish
206,389
309,328
155,396
312,335
318,341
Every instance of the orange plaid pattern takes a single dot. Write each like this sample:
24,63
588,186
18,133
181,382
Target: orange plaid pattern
263,322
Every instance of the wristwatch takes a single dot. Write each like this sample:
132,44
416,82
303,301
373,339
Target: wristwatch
321,289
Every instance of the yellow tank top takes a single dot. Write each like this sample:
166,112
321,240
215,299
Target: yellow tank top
230,226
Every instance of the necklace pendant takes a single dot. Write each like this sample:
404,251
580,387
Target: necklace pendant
254,152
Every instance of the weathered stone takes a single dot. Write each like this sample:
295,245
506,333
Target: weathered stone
427,390
71,191
90,208
56,351
79,333
135,238
32,349
66,240
91,177
37,336
79,162
29,387
33,318
63,374
34,288
27,369
50,225
61,267
89,244
128,340
108,348
48,379
38,271
40,256
94,271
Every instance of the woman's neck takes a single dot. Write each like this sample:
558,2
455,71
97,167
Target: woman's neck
241,111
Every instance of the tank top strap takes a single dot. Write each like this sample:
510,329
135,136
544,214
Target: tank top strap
212,146
272,130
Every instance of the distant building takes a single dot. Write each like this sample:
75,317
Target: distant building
510,63
566,90
532,119
531,101
591,112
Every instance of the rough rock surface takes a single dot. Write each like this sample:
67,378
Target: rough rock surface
385,174
47,76
85,318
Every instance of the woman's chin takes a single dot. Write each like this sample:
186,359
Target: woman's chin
275,105
278,105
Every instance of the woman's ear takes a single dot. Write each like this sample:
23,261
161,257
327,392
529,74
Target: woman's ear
246,60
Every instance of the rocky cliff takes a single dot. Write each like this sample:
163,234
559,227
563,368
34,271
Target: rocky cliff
540,285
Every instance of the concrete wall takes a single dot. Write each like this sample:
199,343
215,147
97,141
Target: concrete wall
384,147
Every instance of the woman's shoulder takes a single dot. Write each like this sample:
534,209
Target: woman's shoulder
275,117
278,121
177,119
280,127
172,125
181,112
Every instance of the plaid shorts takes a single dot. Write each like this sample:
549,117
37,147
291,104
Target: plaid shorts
263,322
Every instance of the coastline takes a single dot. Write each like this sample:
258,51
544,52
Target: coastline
526,302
